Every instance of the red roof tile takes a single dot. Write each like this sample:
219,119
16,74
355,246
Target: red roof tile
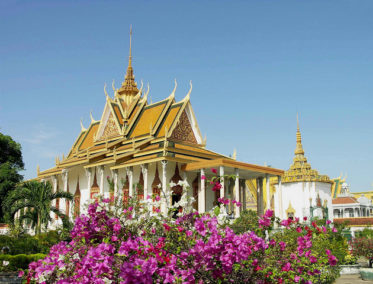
344,200
354,221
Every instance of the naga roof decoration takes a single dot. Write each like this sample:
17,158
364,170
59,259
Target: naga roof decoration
300,170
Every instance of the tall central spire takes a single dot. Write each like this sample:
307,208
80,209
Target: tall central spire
130,56
129,86
299,149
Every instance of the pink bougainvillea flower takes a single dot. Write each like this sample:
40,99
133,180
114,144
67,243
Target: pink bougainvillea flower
130,208
305,218
328,222
214,171
166,227
286,267
203,177
157,210
238,204
180,229
299,229
268,213
332,260
21,273
148,197
157,198
334,230
189,233
296,278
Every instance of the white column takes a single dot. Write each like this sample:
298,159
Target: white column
202,194
65,180
237,192
268,193
101,171
280,197
130,180
222,189
116,188
88,173
164,195
144,169
244,201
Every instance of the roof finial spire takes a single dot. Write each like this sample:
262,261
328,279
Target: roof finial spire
130,56
299,149
129,86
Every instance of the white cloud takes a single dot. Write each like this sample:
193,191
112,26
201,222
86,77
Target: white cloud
41,134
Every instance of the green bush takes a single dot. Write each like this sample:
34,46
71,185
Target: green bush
27,244
19,261
366,233
22,245
248,221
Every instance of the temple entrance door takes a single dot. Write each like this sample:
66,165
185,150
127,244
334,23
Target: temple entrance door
176,190
156,184
126,191
195,193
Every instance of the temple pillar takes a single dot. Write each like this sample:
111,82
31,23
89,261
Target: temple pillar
237,192
259,202
130,180
202,193
116,187
88,173
65,180
144,169
164,196
281,215
268,205
222,189
101,171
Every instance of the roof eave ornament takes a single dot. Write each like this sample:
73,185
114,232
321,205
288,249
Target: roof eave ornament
174,90
82,126
190,90
92,119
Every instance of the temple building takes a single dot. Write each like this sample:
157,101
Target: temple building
137,148
353,209
304,192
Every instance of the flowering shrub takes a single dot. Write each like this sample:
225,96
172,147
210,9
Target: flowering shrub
362,247
112,244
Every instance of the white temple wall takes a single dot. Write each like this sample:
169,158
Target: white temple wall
324,190
298,194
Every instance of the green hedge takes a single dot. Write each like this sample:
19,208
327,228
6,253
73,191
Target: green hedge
30,244
19,261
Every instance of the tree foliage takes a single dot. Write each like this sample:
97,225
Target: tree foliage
10,164
36,198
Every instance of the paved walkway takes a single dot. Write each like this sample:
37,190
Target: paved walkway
351,279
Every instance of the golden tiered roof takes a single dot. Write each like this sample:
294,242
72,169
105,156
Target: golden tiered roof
300,170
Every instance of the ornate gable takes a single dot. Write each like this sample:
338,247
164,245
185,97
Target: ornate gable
183,130
111,129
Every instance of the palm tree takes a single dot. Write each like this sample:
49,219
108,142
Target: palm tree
36,197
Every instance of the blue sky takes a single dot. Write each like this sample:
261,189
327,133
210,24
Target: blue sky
254,65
